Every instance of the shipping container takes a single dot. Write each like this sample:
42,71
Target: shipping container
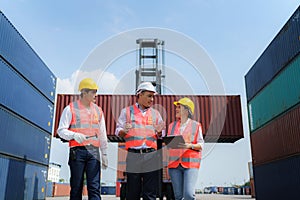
252,187
278,179
283,48
19,54
49,189
61,189
278,96
20,138
118,189
246,190
108,190
22,180
220,116
278,139
23,99
229,190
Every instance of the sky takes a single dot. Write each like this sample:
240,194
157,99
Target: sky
97,38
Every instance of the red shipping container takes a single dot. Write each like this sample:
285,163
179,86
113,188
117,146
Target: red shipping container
278,139
220,116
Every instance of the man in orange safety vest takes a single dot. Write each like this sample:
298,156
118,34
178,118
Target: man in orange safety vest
140,125
82,124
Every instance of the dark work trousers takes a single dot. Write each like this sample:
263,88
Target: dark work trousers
84,160
142,174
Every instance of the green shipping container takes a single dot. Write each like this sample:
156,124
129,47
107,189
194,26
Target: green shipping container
277,97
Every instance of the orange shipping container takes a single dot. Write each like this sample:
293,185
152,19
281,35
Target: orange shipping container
61,189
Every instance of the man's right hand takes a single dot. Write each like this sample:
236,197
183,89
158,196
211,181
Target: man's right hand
79,137
125,130
127,127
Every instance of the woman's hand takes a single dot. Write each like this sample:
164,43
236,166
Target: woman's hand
186,146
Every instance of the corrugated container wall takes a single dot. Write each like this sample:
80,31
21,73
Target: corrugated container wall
278,139
22,139
23,99
273,94
22,180
26,115
284,47
278,96
18,53
278,180
220,116
49,189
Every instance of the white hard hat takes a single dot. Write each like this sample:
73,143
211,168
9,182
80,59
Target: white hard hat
145,86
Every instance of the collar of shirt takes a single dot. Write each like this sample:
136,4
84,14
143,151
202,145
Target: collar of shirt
139,107
182,126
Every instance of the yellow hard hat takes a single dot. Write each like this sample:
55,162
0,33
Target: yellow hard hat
186,102
87,83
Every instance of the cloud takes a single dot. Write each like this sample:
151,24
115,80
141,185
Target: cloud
106,81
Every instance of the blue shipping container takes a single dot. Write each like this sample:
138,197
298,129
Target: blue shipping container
49,189
16,51
22,180
108,190
284,47
229,190
21,139
20,97
278,180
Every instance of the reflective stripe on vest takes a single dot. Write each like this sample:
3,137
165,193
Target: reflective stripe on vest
142,132
86,123
186,157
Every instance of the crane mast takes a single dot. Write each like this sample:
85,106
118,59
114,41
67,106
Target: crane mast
151,63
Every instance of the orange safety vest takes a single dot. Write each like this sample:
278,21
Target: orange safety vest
87,123
188,158
142,131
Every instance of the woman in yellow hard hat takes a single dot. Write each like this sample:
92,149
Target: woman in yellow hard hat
184,161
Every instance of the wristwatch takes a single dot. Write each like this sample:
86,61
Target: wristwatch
192,146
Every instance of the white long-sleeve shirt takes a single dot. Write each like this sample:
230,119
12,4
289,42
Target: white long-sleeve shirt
200,139
64,132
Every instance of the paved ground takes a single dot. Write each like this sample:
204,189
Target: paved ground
199,197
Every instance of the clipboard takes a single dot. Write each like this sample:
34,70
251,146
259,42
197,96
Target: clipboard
173,141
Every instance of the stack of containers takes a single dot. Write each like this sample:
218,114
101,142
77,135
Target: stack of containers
273,96
26,115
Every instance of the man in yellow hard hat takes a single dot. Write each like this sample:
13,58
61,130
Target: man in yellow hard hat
140,125
82,124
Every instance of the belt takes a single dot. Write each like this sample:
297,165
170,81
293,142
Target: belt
85,147
147,150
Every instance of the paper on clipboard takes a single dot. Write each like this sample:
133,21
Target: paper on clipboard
173,141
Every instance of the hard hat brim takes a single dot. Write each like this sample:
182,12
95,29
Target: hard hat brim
176,103
139,91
